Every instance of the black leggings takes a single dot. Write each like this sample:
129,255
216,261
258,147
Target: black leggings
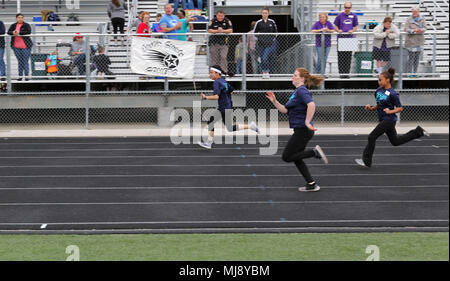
295,151
118,24
227,120
388,128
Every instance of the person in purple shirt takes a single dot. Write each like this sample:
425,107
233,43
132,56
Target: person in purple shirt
323,26
346,22
387,107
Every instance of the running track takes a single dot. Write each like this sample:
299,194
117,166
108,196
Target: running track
149,185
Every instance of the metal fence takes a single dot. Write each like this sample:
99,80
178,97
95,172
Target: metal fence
248,55
144,109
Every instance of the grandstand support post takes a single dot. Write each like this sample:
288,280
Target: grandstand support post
367,37
322,54
8,64
433,63
19,10
302,14
310,15
342,107
88,78
400,71
244,63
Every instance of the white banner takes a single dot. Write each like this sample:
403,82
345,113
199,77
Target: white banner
162,57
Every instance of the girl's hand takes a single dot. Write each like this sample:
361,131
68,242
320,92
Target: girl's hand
203,96
368,107
271,96
310,127
387,110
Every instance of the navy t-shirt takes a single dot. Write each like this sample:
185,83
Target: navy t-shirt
297,107
387,98
224,90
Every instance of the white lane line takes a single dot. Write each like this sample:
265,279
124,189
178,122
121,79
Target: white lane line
199,148
207,156
219,187
226,222
224,203
222,175
211,165
168,142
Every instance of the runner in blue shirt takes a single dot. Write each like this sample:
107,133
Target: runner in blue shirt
301,109
222,93
388,105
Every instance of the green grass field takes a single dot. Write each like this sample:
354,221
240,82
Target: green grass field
227,247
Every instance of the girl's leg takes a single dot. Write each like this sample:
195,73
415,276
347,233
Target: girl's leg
379,130
295,151
397,140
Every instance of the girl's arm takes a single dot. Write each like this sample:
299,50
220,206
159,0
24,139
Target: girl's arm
271,97
393,111
213,97
309,115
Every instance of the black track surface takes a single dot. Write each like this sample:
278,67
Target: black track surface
149,185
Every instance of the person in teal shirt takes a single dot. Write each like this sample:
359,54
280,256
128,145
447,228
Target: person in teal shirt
185,27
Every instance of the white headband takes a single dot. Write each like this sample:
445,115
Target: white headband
216,70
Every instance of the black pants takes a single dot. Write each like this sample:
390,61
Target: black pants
388,128
344,62
118,24
226,119
295,151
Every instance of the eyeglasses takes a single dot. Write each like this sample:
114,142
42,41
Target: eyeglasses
347,7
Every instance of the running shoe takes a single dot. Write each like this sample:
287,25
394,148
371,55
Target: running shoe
424,132
253,127
320,154
309,188
207,145
360,162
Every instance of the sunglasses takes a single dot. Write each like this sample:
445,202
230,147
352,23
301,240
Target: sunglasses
347,7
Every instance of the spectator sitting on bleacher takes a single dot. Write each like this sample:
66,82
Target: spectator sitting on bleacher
21,44
384,39
415,26
251,47
102,62
238,56
144,26
198,4
322,26
78,51
346,22
52,63
176,3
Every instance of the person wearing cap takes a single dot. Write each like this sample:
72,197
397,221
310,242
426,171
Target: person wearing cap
78,51
21,44
222,94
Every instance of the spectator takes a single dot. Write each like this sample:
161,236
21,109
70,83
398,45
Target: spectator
144,26
384,39
346,22
116,12
169,22
198,4
156,27
322,26
102,62
78,51
218,42
267,44
251,48
238,56
415,26
136,22
21,44
176,3
52,62
2,51
185,27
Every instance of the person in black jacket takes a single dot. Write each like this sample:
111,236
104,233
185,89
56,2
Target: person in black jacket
2,51
267,44
21,44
